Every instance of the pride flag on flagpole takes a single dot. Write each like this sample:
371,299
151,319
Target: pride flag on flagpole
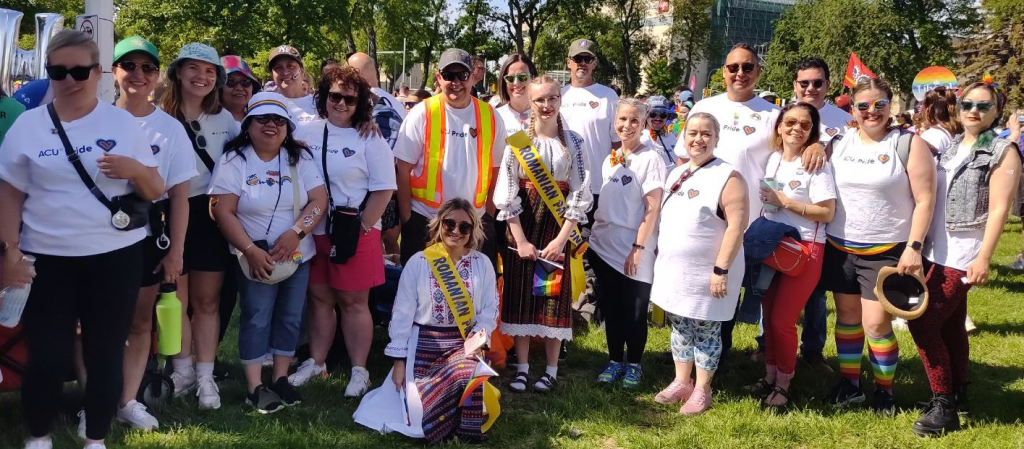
855,70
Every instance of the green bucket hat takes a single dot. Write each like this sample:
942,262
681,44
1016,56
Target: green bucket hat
135,44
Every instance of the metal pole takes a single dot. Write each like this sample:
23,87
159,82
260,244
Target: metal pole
404,40
105,39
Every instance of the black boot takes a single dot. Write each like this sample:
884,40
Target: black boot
939,418
962,406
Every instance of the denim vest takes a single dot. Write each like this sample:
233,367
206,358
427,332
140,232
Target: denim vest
968,196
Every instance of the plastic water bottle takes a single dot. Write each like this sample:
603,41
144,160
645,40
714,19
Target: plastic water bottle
14,299
168,321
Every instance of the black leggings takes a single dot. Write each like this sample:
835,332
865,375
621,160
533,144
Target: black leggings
100,292
624,303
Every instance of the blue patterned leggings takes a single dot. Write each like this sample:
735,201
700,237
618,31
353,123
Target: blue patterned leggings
697,341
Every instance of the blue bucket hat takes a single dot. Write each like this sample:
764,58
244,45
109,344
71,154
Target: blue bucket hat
198,52
661,104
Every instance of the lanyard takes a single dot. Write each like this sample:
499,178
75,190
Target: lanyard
682,178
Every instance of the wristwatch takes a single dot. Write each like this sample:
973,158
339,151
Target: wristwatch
916,246
299,231
720,271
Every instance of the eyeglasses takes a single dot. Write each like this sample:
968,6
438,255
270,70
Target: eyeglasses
747,67
816,83
79,73
450,225
877,105
452,76
267,118
790,122
983,106
130,66
582,59
659,115
522,78
200,140
544,101
338,97
244,82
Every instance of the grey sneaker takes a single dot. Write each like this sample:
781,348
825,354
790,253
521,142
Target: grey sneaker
264,400
1017,264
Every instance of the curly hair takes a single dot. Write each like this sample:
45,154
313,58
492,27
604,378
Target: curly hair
350,78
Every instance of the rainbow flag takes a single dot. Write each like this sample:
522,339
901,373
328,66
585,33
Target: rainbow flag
547,280
860,249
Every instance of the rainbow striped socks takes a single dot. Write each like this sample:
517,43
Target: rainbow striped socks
885,353
850,347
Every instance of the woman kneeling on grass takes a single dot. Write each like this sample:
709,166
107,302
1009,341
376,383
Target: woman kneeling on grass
976,182
438,388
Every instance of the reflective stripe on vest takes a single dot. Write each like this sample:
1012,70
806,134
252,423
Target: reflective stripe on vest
427,187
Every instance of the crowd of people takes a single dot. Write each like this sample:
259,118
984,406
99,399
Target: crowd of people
498,216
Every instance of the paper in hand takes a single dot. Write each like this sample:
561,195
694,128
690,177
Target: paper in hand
474,342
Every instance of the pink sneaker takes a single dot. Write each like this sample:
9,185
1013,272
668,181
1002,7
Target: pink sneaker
699,402
675,392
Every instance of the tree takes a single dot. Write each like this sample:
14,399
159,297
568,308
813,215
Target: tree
996,47
662,77
529,14
630,16
690,34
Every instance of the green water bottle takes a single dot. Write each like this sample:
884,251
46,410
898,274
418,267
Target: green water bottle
168,320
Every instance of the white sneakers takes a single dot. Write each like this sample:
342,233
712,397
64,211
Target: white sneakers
81,423
41,443
969,324
899,324
308,370
359,383
208,393
183,383
136,415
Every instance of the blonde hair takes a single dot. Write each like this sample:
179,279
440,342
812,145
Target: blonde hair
531,129
639,105
476,237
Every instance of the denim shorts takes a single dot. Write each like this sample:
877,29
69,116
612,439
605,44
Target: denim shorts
271,315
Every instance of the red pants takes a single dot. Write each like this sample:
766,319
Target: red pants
781,307
940,334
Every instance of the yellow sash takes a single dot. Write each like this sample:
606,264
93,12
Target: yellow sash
461,305
427,186
541,177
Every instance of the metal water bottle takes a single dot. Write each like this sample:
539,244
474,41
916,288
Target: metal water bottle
168,320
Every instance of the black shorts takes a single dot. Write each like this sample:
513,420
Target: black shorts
206,249
851,274
151,257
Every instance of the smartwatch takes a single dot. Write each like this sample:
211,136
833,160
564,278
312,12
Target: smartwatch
720,271
299,231
916,246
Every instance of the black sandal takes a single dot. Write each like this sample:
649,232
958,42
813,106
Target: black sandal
761,388
519,382
545,384
776,390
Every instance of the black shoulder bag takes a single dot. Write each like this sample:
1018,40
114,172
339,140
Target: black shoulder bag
127,212
344,224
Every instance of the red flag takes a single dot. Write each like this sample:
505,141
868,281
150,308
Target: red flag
856,69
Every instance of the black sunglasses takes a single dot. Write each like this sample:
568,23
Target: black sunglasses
659,115
464,227
336,97
131,66
747,67
816,83
244,82
79,73
983,106
581,59
452,76
200,140
411,104
267,118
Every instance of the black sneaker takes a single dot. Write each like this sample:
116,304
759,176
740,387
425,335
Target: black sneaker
939,418
883,402
265,400
289,396
963,408
846,393
563,352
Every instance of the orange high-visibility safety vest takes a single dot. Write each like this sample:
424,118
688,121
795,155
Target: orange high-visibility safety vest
427,187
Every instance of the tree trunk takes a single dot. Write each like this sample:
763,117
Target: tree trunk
627,64
350,38
371,44
428,51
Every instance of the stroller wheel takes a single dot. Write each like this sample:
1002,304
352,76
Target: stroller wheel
156,391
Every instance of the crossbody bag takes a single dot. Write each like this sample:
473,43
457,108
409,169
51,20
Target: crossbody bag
344,223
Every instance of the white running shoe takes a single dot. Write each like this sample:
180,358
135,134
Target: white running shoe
308,370
183,383
969,324
899,323
208,393
359,383
41,443
136,415
81,423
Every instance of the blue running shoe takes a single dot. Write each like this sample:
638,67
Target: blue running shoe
633,375
612,373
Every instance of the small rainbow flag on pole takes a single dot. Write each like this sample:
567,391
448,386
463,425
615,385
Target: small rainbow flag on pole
547,279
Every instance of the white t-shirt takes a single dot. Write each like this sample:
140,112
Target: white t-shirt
745,131
459,168
834,122
938,138
390,100
218,129
172,150
303,109
590,111
619,215
356,166
954,249
257,183
514,121
664,145
799,185
60,217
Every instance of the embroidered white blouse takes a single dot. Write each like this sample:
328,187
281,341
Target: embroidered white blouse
572,166
420,300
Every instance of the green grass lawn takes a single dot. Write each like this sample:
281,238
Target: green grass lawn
582,414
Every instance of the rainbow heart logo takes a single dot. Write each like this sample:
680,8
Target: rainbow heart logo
692,193
831,131
155,148
794,184
626,180
106,144
594,104
749,130
347,152
883,158
472,132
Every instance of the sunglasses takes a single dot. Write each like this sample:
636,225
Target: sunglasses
200,140
244,82
983,106
747,67
816,83
580,59
267,118
791,122
337,98
452,76
450,225
659,115
522,78
79,73
877,105
131,66
411,104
